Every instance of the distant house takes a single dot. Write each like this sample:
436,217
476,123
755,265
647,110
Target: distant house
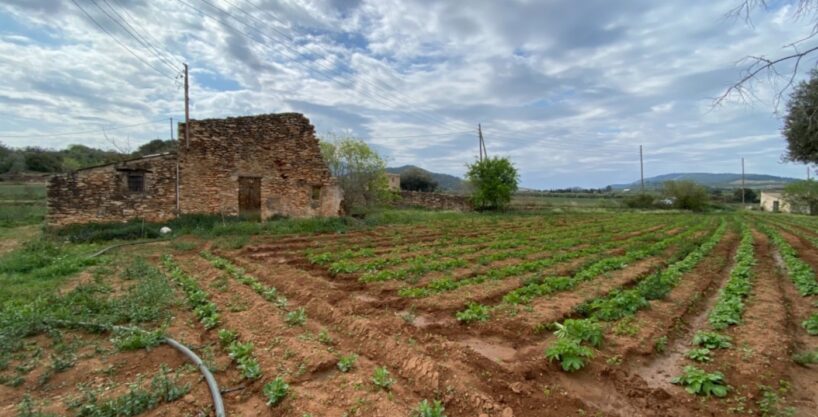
394,181
775,201
260,166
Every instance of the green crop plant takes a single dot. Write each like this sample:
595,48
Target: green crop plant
427,409
347,362
275,391
811,324
242,355
133,339
584,330
296,317
699,382
226,337
382,379
205,311
473,312
239,274
712,340
700,354
570,353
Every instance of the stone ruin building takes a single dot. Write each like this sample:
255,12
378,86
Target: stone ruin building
259,166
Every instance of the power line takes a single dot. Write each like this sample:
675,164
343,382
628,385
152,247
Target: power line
423,136
130,30
293,50
120,42
147,33
44,135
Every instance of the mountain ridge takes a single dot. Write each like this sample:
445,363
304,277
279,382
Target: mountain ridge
713,180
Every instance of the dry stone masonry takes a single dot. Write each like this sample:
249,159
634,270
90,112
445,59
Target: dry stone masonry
434,201
263,166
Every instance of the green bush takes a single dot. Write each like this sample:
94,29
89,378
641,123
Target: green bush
473,312
570,353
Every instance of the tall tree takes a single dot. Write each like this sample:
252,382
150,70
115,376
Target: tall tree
803,194
686,195
416,179
801,122
361,173
494,181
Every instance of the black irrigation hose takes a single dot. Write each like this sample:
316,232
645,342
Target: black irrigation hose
106,249
218,404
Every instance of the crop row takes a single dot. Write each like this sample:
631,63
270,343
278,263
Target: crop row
419,266
800,272
548,285
344,262
573,334
341,249
449,283
207,312
730,303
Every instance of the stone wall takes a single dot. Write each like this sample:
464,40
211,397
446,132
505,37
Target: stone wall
101,194
434,201
280,149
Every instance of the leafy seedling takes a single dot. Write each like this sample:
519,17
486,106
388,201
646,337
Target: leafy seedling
700,382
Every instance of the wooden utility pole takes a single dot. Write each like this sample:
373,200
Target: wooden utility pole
187,110
480,143
742,181
641,169
171,128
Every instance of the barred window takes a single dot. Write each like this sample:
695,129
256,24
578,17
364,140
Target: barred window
136,182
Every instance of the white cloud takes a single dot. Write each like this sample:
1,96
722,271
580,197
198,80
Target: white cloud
568,90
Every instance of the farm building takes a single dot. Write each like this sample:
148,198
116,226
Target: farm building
259,166
776,202
394,181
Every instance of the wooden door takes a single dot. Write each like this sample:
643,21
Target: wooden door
250,197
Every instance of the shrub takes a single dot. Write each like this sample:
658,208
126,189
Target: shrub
811,324
640,201
686,195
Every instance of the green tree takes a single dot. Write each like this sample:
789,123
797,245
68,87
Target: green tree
156,146
416,179
801,122
361,173
494,181
42,160
686,195
803,194
750,196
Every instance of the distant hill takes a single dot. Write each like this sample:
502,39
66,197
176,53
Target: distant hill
445,182
713,180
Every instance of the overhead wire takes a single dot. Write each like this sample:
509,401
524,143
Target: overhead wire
83,132
394,90
134,33
326,73
123,45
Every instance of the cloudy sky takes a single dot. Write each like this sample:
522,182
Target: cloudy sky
567,89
